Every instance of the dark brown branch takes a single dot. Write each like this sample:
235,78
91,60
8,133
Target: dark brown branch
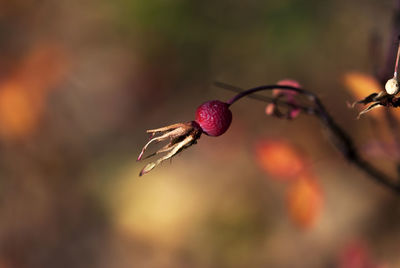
342,140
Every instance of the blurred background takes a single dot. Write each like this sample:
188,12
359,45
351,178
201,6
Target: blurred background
81,81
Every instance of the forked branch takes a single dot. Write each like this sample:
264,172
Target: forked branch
341,139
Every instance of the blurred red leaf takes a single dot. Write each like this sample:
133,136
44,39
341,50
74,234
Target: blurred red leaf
357,255
304,200
279,159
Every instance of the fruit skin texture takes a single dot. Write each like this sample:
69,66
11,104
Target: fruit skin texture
214,117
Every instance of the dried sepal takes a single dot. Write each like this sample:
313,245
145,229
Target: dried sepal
170,132
374,97
369,108
180,136
376,100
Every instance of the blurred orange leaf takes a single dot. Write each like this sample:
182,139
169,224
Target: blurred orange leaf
280,159
361,85
304,200
24,92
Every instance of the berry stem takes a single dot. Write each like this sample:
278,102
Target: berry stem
269,87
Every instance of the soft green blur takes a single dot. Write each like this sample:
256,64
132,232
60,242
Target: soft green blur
82,81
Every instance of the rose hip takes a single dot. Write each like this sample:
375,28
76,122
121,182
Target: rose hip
214,117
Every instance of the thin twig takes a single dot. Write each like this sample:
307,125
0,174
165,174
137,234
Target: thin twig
262,98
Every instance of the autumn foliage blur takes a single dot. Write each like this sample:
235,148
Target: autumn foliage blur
24,92
361,85
280,159
356,254
283,161
304,199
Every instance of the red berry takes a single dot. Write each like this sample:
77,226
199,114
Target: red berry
214,117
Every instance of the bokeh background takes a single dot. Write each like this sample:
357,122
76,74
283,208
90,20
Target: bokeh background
81,81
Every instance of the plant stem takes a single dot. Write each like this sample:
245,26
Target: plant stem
268,87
